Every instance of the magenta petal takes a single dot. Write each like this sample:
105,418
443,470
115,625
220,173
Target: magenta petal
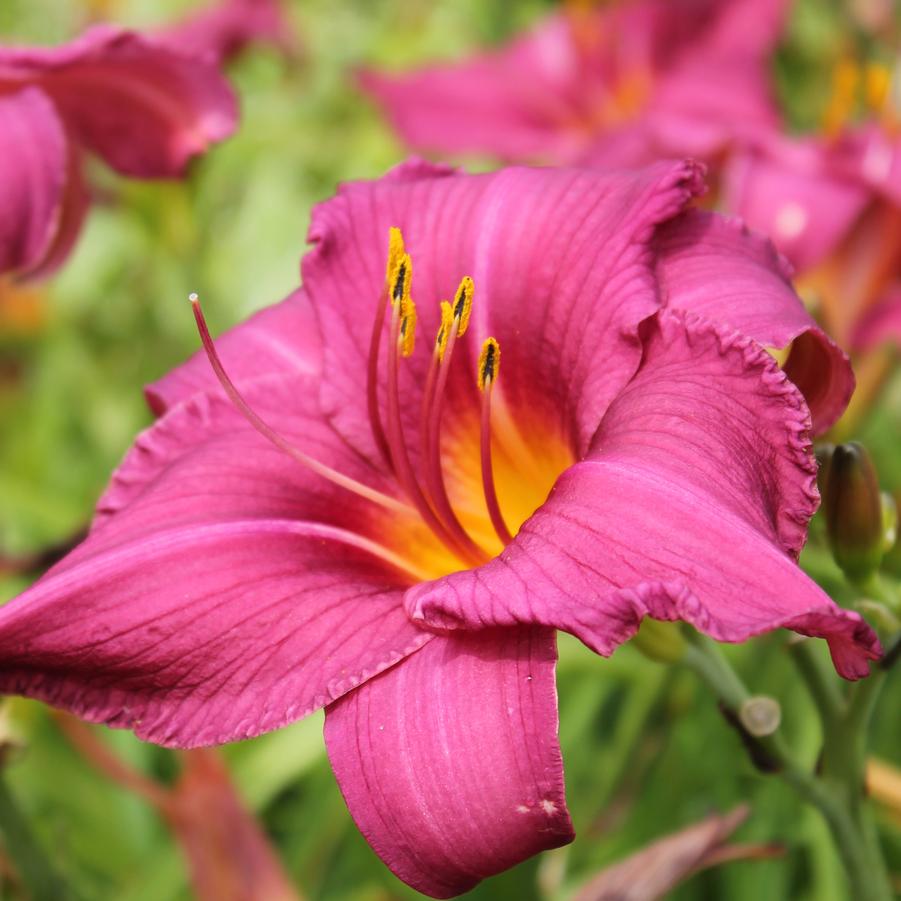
207,634
72,213
513,103
563,270
716,268
33,157
449,762
280,339
224,29
706,449
882,324
225,590
203,463
793,192
872,154
146,108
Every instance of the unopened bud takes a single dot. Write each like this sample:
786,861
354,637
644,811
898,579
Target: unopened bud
760,715
889,521
660,641
854,512
824,454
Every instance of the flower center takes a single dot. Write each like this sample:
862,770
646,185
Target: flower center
467,491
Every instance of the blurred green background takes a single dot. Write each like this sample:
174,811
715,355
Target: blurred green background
645,748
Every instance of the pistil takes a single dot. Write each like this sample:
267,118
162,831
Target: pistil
282,443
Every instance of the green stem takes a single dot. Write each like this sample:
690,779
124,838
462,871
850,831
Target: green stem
877,588
820,681
839,798
26,854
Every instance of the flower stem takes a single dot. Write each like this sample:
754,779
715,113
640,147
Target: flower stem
838,794
32,864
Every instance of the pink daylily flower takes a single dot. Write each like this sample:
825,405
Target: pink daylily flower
621,85
223,30
833,206
409,574
146,109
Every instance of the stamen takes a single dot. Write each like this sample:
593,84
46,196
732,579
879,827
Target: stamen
839,109
488,368
408,329
403,280
429,427
877,81
372,376
396,255
401,458
268,432
396,252
489,363
463,305
444,330
454,319
447,317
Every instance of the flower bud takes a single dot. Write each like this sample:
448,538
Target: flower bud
889,521
660,641
854,512
824,454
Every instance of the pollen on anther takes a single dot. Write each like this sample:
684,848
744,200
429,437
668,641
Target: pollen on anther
877,84
463,305
396,252
447,317
400,290
489,363
408,329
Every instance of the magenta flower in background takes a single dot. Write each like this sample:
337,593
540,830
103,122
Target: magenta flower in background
409,574
832,203
224,29
620,85
145,108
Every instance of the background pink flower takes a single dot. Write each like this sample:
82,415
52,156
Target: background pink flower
145,108
625,84
225,28
833,206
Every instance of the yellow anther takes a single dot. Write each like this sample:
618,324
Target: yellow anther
463,305
447,317
396,252
407,328
845,85
400,287
877,83
489,363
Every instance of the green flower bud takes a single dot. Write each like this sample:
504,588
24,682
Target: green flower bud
853,504
824,454
889,522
